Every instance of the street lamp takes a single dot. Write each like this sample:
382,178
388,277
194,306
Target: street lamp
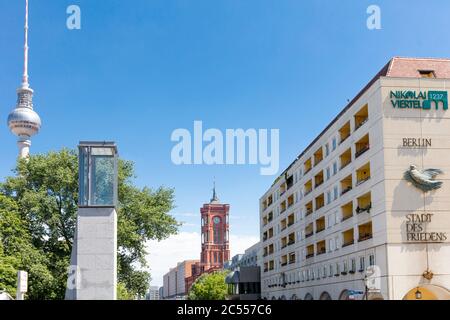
418,294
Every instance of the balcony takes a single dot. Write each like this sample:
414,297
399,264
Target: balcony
292,258
361,117
309,230
365,231
362,146
291,239
291,220
318,179
320,202
269,201
345,158
348,238
290,182
347,211
363,174
309,208
307,166
308,187
364,203
283,207
290,201
346,184
318,156
320,224
344,132
321,248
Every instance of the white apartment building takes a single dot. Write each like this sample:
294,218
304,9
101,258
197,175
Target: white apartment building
346,203
153,293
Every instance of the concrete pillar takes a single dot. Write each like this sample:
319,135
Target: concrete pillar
95,255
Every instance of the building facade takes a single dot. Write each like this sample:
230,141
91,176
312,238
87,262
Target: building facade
244,279
364,210
174,284
153,293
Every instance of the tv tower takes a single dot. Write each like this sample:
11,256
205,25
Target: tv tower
23,121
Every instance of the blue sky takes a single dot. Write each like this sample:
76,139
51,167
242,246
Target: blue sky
139,69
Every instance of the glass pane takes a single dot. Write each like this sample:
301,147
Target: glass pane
97,151
102,184
83,176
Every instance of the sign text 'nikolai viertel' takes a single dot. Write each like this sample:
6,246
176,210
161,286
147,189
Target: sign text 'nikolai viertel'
416,231
419,99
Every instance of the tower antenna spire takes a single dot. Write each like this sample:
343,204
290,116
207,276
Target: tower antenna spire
25,83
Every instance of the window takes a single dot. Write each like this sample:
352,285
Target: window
327,150
331,244
330,270
335,192
427,74
371,260
344,266
328,173
335,168
328,197
362,264
353,265
334,143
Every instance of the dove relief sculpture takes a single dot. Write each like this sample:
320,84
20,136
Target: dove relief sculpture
425,179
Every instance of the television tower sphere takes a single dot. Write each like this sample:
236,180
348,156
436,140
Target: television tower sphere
23,121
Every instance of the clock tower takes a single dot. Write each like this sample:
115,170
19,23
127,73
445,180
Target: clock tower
215,234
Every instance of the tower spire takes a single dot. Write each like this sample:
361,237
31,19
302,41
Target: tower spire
23,121
214,198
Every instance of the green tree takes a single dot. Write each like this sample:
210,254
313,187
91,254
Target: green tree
210,286
18,253
43,196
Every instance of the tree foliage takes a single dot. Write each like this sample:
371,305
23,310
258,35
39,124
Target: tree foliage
209,286
38,207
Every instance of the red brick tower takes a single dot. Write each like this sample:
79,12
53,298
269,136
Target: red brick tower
215,234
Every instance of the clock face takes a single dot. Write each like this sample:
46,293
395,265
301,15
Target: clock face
216,220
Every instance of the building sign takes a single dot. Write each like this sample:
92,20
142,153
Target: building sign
416,229
416,142
419,99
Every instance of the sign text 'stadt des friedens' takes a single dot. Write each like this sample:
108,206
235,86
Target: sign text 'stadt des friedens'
416,232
